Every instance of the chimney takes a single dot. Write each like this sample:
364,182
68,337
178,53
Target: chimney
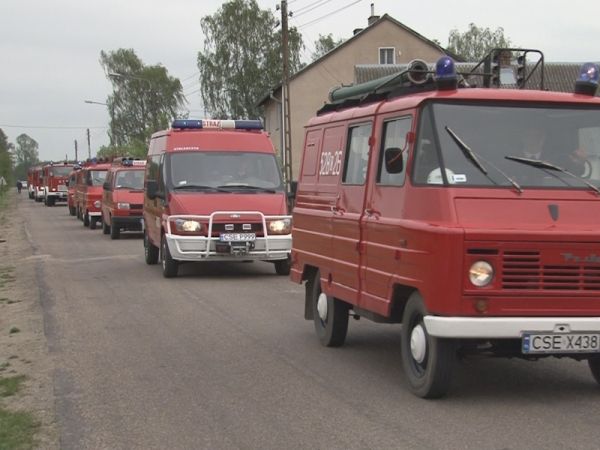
373,18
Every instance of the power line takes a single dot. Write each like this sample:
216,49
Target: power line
192,75
51,127
318,19
310,7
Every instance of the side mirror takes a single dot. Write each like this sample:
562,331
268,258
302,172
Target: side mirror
151,189
394,160
106,186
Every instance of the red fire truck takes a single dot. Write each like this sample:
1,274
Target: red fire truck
214,192
424,201
71,185
123,197
35,185
32,174
88,191
54,178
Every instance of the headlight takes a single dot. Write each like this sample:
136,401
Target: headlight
481,273
53,189
97,204
281,226
122,205
188,226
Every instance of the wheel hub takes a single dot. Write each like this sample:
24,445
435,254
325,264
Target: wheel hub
322,306
418,344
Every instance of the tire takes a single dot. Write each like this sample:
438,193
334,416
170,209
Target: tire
169,265
594,363
331,324
150,251
86,220
428,367
93,223
115,232
50,201
78,213
72,210
282,267
105,227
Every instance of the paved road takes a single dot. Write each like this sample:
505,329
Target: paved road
221,358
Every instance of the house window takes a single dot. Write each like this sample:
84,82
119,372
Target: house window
387,55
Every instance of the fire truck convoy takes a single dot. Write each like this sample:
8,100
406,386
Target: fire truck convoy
419,203
214,192
54,178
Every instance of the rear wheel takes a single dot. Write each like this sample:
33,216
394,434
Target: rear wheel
594,363
427,361
92,223
72,211
50,201
150,251
330,315
282,267
105,227
169,265
115,232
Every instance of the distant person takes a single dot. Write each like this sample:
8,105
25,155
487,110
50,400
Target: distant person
19,186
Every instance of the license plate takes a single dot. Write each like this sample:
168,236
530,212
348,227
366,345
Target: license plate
560,343
237,237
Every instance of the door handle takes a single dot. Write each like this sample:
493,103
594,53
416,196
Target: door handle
372,213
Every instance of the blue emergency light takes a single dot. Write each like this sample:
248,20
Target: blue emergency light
190,124
587,82
445,73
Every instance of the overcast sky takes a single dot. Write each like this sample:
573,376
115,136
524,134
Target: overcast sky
50,49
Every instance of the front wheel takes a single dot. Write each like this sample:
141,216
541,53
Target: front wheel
427,361
594,363
105,227
115,231
169,265
282,266
150,251
330,315
86,219
72,211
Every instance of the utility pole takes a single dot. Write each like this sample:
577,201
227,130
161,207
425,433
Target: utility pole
285,92
76,158
89,145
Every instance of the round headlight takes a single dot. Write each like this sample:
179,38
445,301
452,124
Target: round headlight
481,273
97,204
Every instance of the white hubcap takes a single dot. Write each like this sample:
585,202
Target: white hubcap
418,344
322,306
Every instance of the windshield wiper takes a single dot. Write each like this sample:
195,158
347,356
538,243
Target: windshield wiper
473,157
246,186
200,187
541,164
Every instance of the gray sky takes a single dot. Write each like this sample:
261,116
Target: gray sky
50,48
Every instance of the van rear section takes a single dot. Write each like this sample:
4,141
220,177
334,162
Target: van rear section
214,192
468,215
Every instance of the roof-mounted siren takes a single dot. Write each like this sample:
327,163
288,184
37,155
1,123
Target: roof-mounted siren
417,72
192,124
445,77
587,82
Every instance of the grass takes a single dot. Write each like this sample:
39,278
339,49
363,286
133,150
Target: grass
17,430
6,275
11,385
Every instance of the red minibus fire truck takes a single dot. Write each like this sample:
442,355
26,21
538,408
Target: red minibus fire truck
469,215
88,191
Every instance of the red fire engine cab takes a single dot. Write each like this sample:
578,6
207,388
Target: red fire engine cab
123,197
469,215
88,191
54,178
36,186
32,177
214,192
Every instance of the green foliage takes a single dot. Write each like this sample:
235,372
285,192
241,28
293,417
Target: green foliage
135,149
242,60
6,161
11,385
144,99
325,44
26,155
476,42
17,430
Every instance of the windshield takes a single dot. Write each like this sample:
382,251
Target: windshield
224,169
96,177
498,145
60,171
129,179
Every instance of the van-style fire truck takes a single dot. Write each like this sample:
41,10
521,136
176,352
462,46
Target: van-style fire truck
469,215
54,178
88,191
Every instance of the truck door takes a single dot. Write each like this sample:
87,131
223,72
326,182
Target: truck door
348,211
383,237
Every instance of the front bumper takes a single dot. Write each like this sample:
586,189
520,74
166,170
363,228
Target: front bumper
60,196
133,223
505,327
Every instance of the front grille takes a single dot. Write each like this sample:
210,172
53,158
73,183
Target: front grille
523,270
134,206
218,228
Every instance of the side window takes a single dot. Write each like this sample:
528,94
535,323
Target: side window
152,168
162,173
394,136
357,154
426,159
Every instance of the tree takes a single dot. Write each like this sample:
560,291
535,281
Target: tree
476,42
241,60
6,162
26,155
325,44
144,99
